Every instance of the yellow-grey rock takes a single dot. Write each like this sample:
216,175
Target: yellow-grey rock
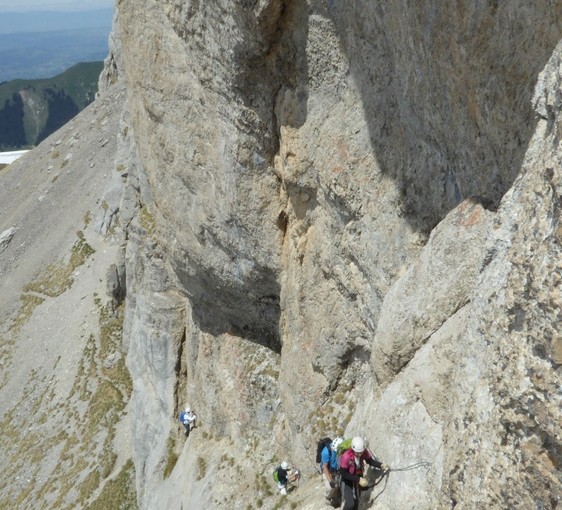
321,218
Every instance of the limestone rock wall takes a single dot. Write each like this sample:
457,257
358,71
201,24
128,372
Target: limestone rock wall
324,243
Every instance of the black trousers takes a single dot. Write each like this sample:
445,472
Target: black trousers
350,496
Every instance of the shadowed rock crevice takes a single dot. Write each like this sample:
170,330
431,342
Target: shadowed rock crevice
249,310
273,60
447,90
181,376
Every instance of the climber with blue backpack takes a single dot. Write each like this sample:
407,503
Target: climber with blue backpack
329,468
352,471
329,463
188,419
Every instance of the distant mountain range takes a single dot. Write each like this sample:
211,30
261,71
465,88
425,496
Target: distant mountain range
30,110
43,44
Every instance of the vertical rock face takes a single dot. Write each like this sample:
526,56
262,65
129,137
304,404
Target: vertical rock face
331,228
446,91
216,138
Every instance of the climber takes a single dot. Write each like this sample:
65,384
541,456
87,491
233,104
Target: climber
188,419
280,475
352,464
285,476
329,465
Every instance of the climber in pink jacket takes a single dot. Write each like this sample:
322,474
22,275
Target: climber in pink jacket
352,469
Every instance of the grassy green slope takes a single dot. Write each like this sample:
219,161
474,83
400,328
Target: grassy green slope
42,97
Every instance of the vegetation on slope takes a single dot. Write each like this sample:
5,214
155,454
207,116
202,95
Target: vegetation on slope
30,110
59,447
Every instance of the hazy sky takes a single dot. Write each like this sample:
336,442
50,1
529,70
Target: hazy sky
53,5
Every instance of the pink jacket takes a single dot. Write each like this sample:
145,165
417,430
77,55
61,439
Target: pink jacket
347,462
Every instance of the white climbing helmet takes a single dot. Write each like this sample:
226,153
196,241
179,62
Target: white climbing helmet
285,465
188,409
336,442
358,444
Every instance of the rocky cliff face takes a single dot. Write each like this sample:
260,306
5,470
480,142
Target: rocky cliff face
328,188
342,219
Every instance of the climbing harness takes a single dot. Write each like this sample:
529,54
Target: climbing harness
386,474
